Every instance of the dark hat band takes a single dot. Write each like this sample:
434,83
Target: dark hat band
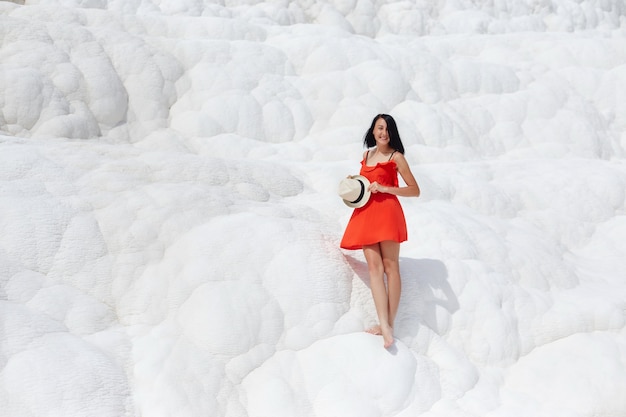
362,192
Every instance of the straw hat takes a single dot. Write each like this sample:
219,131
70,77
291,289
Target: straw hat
354,191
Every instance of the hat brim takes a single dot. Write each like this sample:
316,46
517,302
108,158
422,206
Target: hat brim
365,183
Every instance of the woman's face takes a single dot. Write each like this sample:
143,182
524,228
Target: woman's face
380,132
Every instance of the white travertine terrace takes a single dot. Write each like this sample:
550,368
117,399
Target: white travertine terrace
169,223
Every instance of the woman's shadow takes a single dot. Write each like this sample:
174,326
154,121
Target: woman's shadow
427,298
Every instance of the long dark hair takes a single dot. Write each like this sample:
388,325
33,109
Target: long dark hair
392,130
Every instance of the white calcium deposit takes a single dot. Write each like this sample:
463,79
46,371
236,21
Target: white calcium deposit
169,223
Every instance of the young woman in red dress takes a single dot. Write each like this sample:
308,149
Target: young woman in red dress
379,226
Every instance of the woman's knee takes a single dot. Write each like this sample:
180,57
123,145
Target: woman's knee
391,266
376,267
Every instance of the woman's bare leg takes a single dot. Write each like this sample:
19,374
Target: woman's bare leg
374,258
390,252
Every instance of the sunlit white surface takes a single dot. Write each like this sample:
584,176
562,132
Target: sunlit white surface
170,225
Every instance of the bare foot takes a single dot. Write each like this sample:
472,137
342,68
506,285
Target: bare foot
375,330
387,336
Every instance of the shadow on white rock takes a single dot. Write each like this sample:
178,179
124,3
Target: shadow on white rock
427,297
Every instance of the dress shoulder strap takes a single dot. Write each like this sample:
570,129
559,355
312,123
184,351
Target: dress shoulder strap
367,155
391,156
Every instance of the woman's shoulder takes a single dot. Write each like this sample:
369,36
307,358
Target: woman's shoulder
399,159
397,156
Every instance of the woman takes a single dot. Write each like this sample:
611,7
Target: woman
379,226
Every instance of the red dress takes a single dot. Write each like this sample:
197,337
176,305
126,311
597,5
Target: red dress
382,217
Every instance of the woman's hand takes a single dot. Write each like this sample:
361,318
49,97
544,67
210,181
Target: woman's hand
377,188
